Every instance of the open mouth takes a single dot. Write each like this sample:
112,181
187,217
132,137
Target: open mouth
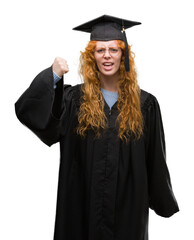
108,66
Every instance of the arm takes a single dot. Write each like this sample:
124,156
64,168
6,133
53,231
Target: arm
161,196
42,108
56,78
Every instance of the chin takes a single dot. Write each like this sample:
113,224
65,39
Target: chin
109,73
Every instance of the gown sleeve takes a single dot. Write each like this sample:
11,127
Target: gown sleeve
161,196
43,109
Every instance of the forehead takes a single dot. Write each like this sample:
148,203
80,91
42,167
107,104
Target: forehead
112,43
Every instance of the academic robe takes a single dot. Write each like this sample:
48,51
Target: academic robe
105,186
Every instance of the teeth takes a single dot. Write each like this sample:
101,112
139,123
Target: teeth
107,64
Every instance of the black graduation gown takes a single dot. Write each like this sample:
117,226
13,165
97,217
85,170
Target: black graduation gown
105,187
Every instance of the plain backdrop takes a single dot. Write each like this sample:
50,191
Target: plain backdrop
33,33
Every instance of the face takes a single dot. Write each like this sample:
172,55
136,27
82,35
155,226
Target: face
108,57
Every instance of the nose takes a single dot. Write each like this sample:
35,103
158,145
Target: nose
107,54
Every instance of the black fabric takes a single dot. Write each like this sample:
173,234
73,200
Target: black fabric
105,186
106,31
127,66
104,19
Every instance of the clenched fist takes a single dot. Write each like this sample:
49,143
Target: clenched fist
60,66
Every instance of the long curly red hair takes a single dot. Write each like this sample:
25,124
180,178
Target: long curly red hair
91,114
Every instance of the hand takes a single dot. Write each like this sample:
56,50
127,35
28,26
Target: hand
60,66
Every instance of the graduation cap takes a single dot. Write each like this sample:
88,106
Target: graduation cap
106,28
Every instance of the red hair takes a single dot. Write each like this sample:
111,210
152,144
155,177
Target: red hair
91,114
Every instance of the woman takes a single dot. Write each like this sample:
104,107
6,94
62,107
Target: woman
112,165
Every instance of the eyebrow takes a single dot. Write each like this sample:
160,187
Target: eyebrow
105,47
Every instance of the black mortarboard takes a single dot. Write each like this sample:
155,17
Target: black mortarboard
106,28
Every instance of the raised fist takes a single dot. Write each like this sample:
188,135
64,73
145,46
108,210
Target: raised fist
60,66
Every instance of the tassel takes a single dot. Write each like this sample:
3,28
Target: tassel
127,67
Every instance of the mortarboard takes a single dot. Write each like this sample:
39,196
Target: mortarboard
106,28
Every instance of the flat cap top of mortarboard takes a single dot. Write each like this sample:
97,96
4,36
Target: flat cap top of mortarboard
106,28
89,26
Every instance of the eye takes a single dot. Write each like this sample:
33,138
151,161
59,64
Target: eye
101,50
114,50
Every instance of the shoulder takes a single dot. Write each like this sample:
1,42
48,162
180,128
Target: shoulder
73,93
77,88
72,90
76,91
147,100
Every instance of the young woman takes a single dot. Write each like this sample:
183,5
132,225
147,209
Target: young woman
112,165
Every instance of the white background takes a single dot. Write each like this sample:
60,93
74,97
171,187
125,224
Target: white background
33,33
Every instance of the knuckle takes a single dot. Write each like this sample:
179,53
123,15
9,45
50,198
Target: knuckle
62,68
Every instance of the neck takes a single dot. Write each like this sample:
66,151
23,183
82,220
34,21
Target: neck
109,83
